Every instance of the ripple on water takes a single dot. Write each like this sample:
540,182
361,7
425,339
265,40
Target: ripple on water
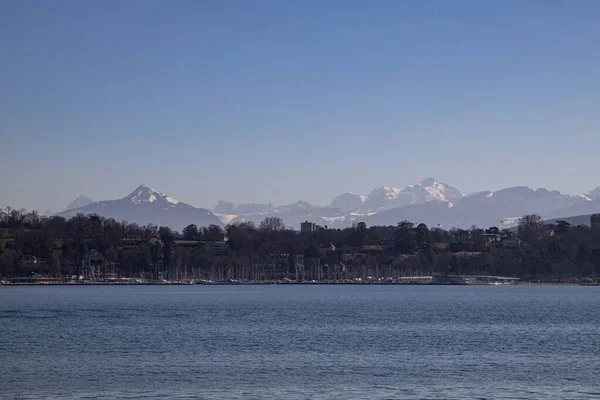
289,342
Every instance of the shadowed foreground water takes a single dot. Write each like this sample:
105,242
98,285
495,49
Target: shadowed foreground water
337,342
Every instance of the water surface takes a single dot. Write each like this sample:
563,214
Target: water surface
289,341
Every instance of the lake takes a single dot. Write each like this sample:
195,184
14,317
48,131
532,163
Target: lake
300,341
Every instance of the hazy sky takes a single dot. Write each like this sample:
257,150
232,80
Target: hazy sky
275,101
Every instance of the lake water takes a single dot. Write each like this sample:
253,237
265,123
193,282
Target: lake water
290,342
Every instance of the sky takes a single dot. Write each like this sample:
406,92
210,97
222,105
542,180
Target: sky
275,101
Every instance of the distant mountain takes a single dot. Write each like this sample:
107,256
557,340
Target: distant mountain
429,201
224,207
594,193
148,206
381,199
79,202
432,213
346,208
426,191
349,201
253,208
574,220
577,208
430,189
485,209
297,206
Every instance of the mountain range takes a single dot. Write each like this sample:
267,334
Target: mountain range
429,201
148,206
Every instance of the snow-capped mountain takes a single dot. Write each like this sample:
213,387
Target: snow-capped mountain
489,208
429,201
144,195
80,201
381,198
148,206
426,191
485,209
386,197
344,209
349,201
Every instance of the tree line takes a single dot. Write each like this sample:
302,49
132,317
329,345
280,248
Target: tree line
31,244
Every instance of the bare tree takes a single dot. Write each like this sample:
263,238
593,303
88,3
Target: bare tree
272,224
530,228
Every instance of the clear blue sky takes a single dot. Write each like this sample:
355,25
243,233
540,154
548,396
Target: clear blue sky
275,101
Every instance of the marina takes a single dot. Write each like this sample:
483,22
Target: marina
407,280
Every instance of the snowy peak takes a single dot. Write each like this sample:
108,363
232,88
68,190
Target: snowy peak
431,189
381,198
149,206
348,201
144,194
389,192
387,197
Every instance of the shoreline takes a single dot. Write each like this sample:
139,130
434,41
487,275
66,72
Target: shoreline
13,284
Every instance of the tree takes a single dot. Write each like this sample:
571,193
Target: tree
422,235
58,246
404,238
360,234
493,231
240,235
55,264
530,228
562,227
8,262
271,224
166,235
190,232
213,233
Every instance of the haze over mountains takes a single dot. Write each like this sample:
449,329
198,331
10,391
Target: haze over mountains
429,201
148,206
79,202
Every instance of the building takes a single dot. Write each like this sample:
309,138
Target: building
595,222
307,227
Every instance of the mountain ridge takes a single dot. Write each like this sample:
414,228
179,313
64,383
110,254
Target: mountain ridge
430,201
435,203
79,202
145,205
